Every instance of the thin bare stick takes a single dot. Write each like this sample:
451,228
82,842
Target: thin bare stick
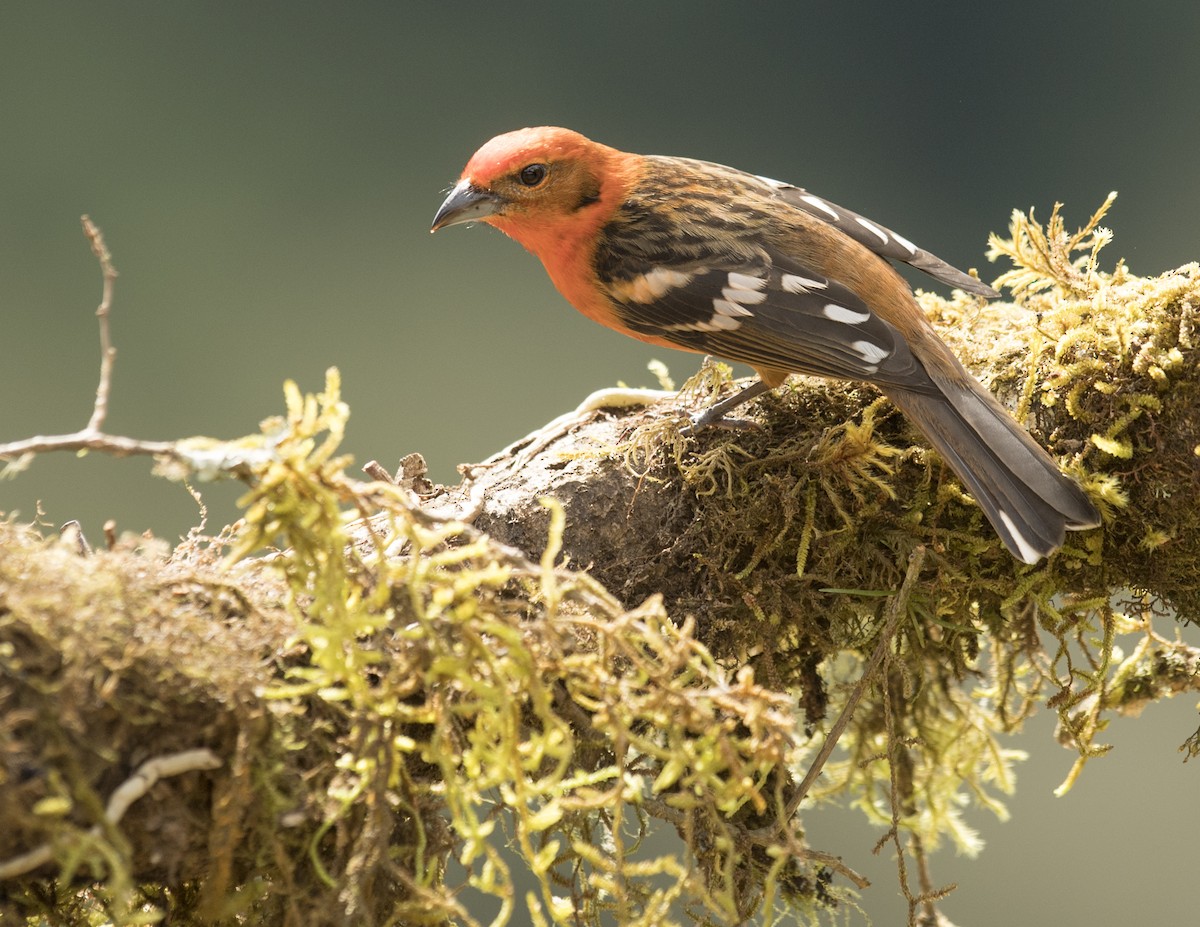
91,437
922,907
108,353
129,791
835,863
895,610
116,445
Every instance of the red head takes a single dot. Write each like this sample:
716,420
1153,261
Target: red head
549,188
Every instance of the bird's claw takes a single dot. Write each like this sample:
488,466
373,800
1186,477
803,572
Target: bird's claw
701,420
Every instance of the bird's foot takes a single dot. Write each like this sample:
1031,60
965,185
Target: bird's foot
702,420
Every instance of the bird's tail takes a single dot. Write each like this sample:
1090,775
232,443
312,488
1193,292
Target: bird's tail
1020,488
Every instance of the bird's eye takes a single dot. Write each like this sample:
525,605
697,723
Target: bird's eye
532,174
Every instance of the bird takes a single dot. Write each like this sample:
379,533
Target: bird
690,254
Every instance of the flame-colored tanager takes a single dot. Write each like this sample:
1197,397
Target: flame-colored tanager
702,257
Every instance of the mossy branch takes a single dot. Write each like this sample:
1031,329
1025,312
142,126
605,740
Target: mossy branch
422,674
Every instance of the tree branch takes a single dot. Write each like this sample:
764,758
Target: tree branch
658,643
91,437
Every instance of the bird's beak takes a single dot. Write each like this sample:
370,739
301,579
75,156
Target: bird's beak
466,203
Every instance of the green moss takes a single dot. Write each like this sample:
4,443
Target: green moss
803,528
396,703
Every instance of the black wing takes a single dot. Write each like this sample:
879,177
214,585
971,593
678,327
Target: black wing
770,312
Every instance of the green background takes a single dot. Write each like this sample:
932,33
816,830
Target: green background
265,174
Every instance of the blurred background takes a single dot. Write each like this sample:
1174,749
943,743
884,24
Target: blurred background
265,174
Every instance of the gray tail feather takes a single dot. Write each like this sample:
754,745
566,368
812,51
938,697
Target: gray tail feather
1028,500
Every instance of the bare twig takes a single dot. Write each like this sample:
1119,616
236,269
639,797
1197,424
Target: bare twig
108,353
92,437
922,907
830,861
129,791
895,610
376,471
116,445
520,452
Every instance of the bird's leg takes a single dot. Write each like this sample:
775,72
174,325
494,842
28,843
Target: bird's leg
715,414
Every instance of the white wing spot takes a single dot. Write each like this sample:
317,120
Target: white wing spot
904,243
818,203
745,289
747,297
729,308
1028,553
873,228
777,184
746,282
836,313
792,283
654,284
870,352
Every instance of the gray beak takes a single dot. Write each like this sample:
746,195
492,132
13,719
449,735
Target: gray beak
466,203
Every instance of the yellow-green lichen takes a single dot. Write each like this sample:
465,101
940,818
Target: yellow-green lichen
417,723
803,525
437,696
